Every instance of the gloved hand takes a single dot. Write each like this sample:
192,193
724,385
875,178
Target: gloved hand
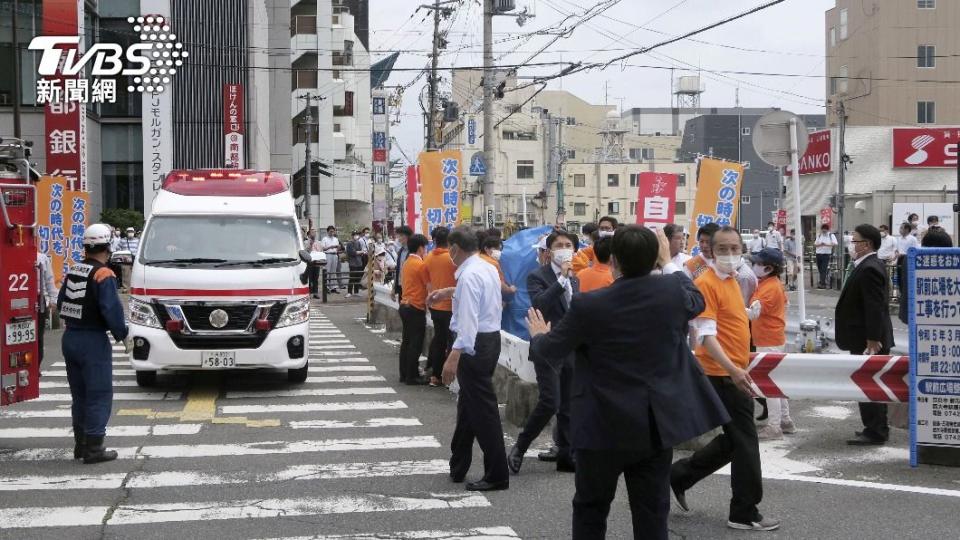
753,312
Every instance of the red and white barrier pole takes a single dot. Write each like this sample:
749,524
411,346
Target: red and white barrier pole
842,377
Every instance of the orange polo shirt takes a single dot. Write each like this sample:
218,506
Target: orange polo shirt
440,274
414,282
496,264
583,259
769,330
595,277
725,307
696,266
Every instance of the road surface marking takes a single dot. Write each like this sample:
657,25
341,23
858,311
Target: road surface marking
112,431
480,533
201,406
120,396
300,392
371,422
314,407
337,369
64,384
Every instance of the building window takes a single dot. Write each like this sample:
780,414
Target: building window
579,209
571,154
122,170
613,208
927,4
579,180
681,179
833,36
646,153
926,112
633,208
524,169
680,208
634,179
571,121
336,128
613,180
926,56
745,131
776,203
745,199
347,109
634,153
839,83
843,24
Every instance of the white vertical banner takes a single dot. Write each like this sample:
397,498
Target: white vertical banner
157,121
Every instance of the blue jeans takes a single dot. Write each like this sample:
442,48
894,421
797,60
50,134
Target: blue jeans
88,356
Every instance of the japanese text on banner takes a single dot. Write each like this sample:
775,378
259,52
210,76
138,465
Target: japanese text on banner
718,195
440,180
656,198
61,221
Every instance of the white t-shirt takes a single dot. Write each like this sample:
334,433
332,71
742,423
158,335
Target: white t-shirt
828,241
905,243
888,248
756,245
774,240
330,244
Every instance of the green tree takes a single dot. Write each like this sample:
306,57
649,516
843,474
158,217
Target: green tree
121,218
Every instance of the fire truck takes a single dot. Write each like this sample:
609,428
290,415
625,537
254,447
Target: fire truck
19,351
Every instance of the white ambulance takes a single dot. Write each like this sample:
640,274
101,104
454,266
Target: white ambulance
219,281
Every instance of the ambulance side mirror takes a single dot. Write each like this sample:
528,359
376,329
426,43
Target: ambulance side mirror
305,256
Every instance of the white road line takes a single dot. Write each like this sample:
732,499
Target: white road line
313,407
121,363
332,353
316,346
391,342
370,422
120,396
337,361
44,413
346,379
480,533
65,384
139,514
331,369
328,341
148,480
63,373
112,431
315,392
234,450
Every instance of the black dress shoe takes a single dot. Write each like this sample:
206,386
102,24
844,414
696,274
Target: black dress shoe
550,455
483,485
515,459
418,381
456,479
863,440
566,465
680,495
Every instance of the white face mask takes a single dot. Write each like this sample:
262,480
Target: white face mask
728,264
561,256
604,234
883,234
852,249
760,270
496,253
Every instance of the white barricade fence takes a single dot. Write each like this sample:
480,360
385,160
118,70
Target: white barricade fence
841,377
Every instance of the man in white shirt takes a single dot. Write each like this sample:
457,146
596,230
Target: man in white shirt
477,308
674,234
756,245
332,248
888,247
774,239
823,246
47,292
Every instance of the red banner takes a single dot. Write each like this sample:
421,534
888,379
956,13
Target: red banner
413,199
925,147
233,126
826,217
656,198
65,122
781,219
818,157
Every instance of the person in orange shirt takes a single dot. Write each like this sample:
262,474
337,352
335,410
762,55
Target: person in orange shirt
599,275
413,310
585,257
768,326
491,249
724,356
440,272
697,265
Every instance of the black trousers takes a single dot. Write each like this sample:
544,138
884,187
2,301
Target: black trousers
553,398
737,445
874,418
647,475
42,317
823,266
442,341
353,285
117,271
313,273
411,344
478,416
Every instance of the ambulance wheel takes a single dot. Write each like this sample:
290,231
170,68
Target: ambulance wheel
146,378
298,375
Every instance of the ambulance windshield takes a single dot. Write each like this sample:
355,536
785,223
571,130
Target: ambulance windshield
219,240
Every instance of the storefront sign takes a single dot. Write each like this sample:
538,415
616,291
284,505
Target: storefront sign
818,157
65,120
233,127
925,147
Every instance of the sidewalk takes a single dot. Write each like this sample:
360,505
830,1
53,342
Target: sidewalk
821,304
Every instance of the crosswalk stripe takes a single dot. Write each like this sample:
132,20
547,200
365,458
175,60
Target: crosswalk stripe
112,431
370,422
315,391
313,407
65,384
148,480
479,533
328,341
125,363
62,373
332,369
338,360
120,396
43,413
332,353
314,346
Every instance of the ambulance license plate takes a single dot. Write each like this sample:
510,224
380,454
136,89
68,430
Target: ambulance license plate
21,332
218,359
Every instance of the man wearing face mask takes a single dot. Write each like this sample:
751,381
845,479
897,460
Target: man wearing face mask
551,287
492,249
440,272
863,322
585,257
774,238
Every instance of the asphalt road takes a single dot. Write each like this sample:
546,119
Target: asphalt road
353,454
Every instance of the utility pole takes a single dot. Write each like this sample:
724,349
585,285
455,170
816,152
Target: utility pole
841,188
308,161
435,58
561,158
16,70
488,142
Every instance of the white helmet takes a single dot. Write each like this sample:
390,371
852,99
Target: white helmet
97,234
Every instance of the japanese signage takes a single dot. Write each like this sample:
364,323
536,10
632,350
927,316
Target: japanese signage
61,219
656,198
413,199
925,147
934,307
718,194
233,126
65,121
157,126
379,146
440,177
379,105
817,158
471,131
826,216
781,219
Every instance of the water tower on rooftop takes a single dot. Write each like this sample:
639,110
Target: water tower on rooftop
687,91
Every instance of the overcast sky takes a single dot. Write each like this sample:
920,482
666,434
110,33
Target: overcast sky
784,39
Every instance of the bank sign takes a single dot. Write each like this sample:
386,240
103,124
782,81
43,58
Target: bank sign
818,158
919,148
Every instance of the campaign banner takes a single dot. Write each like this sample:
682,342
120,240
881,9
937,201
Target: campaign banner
920,148
233,126
656,198
441,175
65,119
413,199
826,217
819,157
718,195
61,220
781,219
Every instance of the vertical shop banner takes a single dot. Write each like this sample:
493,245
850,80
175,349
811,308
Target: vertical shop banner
233,127
781,219
656,199
157,125
826,217
62,217
65,119
441,175
718,194
413,199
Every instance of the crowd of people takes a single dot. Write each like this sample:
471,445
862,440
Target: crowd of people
349,264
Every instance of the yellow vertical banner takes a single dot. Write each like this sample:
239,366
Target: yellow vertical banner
441,180
718,195
62,217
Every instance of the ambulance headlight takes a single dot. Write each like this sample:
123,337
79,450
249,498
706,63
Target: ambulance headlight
296,312
143,314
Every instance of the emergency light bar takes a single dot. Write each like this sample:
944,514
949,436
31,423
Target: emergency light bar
225,182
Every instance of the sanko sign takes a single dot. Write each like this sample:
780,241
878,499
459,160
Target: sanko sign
925,147
818,157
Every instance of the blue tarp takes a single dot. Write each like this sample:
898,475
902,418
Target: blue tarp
519,258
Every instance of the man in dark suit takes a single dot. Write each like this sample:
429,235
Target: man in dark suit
403,236
638,391
863,322
551,288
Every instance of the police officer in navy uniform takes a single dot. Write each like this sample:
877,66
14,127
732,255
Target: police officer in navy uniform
89,306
